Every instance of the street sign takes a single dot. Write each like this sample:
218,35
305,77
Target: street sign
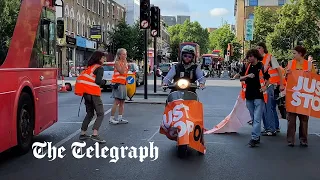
131,85
249,30
144,24
154,33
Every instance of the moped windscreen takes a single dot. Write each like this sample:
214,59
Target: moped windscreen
185,95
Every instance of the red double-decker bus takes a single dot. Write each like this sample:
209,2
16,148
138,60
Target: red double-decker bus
28,71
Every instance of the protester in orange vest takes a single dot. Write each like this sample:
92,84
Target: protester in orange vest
88,86
255,81
298,63
270,116
119,90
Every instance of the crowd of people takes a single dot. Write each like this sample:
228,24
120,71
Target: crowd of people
262,80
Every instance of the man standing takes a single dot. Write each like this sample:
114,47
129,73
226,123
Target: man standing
270,115
255,81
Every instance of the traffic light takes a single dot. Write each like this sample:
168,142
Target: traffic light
144,14
60,28
155,21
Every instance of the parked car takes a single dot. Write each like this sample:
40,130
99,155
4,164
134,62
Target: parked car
107,74
133,67
165,67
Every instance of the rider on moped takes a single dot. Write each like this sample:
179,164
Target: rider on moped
186,69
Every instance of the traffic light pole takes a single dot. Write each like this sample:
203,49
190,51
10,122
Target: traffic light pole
155,63
146,64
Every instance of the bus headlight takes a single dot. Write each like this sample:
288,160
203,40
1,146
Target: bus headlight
183,83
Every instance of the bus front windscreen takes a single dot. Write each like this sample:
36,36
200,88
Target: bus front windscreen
207,60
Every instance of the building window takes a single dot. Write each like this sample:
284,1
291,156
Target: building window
102,8
99,7
253,2
108,8
281,2
78,1
112,11
93,6
118,9
251,16
88,4
83,3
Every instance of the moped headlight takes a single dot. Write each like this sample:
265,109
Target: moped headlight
183,83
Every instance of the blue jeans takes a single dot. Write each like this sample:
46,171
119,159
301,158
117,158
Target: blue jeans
255,108
269,112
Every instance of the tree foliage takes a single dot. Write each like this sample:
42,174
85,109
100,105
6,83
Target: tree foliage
265,20
187,32
221,37
129,37
297,26
9,10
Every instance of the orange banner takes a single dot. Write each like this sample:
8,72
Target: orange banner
303,93
184,119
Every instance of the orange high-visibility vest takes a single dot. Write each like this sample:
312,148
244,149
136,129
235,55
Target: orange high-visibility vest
262,84
86,82
283,74
307,65
273,72
119,78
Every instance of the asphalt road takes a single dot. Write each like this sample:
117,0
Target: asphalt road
227,158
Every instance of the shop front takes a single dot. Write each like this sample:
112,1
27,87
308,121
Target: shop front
91,46
80,62
71,44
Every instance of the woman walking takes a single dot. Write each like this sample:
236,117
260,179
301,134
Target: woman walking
88,86
119,90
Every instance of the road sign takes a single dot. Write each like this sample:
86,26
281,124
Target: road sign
131,85
144,24
249,30
154,33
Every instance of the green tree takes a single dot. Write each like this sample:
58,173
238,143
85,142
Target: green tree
265,20
237,49
187,32
220,38
9,10
175,40
297,26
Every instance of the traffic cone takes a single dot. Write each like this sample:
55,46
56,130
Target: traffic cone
63,88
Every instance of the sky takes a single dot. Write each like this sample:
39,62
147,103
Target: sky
209,13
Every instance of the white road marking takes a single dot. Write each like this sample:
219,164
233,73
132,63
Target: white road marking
317,134
79,104
70,122
77,132
154,135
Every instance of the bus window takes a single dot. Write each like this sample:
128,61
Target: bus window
43,53
8,18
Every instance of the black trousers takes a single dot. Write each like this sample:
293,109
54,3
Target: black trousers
93,103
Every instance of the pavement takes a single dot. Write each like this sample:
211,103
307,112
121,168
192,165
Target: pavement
228,157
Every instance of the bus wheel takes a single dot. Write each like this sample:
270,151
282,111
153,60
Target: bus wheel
25,123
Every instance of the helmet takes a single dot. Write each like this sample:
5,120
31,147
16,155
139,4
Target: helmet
188,50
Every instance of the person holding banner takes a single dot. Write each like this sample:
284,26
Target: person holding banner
254,85
298,63
270,116
119,90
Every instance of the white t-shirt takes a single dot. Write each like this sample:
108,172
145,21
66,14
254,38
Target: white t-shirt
274,62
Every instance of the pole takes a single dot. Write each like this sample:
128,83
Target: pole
145,64
155,64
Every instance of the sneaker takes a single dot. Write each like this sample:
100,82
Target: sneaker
113,121
83,137
122,121
303,144
278,130
290,144
97,139
268,133
254,143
